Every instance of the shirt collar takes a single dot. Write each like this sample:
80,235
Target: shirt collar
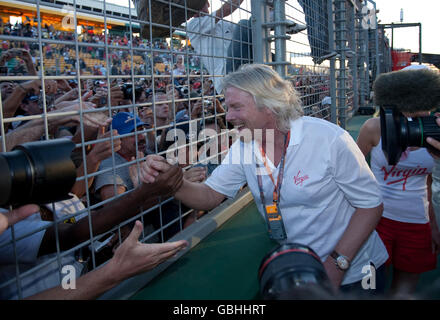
296,131
296,135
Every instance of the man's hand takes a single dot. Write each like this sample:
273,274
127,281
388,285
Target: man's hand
22,54
167,183
195,174
64,85
72,118
196,109
152,167
433,142
27,58
146,114
133,170
335,275
156,174
116,95
103,150
12,217
218,106
34,86
133,257
101,95
69,96
50,87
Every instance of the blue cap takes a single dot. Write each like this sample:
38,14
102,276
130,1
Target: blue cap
30,98
124,122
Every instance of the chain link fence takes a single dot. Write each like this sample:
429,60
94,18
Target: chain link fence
117,79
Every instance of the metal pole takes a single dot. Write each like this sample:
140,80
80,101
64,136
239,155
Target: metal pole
280,37
331,38
392,36
340,19
260,44
361,49
354,61
377,43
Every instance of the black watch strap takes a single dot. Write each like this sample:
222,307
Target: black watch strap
334,255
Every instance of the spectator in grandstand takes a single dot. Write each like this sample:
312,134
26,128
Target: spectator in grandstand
212,140
40,246
211,35
21,55
35,129
338,222
95,154
7,88
174,94
159,65
179,66
15,93
213,127
326,105
157,116
28,106
208,87
101,95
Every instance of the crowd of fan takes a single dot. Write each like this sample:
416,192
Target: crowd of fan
119,122
92,58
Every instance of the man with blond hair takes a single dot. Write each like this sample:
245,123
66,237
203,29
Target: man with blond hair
309,179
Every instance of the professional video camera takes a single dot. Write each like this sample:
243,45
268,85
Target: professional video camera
37,172
293,271
127,89
411,90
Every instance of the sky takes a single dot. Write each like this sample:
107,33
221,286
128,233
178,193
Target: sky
423,11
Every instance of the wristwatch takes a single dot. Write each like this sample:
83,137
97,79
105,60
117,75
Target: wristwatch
342,262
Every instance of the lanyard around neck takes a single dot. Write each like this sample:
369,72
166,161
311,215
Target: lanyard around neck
277,185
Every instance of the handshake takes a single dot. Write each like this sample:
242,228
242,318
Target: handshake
156,172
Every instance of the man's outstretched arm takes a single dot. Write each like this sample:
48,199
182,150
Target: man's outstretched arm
195,195
113,213
227,8
131,258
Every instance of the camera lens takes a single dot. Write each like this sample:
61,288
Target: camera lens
37,172
293,271
398,133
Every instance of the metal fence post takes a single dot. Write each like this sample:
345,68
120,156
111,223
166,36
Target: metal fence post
280,37
260,35
341,40
360,52
331,38
353,58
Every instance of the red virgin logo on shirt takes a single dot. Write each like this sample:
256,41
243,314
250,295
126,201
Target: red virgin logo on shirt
298,180
402,175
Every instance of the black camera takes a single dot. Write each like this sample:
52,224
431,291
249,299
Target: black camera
293,271
412,90
37,172
399,132
183,91
127,89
